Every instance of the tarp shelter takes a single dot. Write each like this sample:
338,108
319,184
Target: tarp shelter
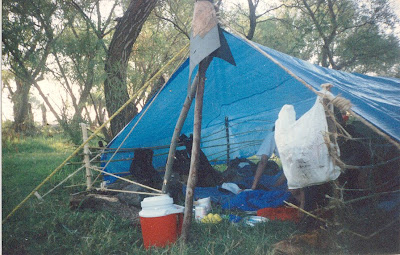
250,95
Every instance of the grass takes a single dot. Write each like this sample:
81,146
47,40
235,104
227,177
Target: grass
51,227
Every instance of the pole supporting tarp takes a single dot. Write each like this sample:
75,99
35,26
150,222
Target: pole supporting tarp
195,155
177,132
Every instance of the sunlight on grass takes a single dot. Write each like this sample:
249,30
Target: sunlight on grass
36,144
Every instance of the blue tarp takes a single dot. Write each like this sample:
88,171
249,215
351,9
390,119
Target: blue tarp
247,200
251,95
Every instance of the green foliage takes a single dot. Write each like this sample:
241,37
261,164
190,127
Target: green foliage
346,34
81,51
275,35
27,37
371,51
349,35
163,35
24,35
39,144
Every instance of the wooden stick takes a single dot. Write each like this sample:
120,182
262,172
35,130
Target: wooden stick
75,185
59,184
370,235
130,191
227,140
361,198
127,180
195,156
177,131
308,213
39,196
86,157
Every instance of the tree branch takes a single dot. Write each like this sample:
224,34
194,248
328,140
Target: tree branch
176,25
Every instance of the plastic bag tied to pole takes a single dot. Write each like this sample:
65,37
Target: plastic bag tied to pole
302,148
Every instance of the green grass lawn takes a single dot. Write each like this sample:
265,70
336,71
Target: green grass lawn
51,227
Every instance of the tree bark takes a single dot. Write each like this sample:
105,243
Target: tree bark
177,132
20,100
44,114
252,19
195,155
125,35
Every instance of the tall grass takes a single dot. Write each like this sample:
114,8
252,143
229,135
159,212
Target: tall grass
49,226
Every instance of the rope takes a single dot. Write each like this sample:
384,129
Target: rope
127,180
132,192
69,176
93,135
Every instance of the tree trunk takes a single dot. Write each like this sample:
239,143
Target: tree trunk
52,110
20,100
252,20
125,35
44,114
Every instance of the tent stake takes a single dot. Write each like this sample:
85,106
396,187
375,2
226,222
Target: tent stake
195,156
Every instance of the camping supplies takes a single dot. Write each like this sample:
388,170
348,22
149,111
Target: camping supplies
202,207
161,221
212,218
200,212
280,213
302,148
254,220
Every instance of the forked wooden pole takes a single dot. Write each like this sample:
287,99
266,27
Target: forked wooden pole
195,156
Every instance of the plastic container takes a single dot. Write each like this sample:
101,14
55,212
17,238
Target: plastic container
280,213
200,212
254,220
160,220
206,202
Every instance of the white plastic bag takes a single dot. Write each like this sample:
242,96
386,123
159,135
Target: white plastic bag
301,145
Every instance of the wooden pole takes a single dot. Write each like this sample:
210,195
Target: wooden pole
177,132
195,157
86,157
228,147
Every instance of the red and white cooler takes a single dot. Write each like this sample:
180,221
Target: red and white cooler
161,221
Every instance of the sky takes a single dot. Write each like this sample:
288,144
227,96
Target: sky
56,93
